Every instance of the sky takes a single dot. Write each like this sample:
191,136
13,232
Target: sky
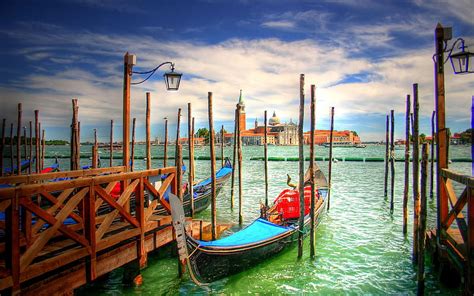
363,56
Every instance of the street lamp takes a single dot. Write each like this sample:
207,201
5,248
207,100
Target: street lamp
172,81
460,60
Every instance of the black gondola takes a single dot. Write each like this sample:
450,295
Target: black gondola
268,235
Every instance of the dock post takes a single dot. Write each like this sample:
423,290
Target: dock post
265,156
132,157
392,159
148,147
18,141
95,152
387,130
128,62
330,157
165,147
111,154
422,225
192,133
191,159
11,150
407,166
179,171
236,122
432,151
30,152
416,173
25,144
43,147
301,168
178,133
239,159
311,169
3,147
78,143
222,146
74,165
37,147
213,168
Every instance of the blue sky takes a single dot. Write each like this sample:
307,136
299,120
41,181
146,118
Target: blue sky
363,56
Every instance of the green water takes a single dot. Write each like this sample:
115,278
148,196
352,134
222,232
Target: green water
360,246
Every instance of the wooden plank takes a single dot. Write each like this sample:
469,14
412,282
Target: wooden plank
89,231
453,200
60,200
159,195
456,210
111,201
111,216
139,209
116,258
114,239
108,189
458,177
53,199
38,244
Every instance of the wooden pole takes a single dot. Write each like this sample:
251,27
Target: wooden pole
422,226
37,147
265,156
148,147
73,161
179,170
25,144
127,74
387,155
165,148
331,133
4,121
31,148
43,148
11,149
412,124
239,160
236,123
416,172
94,150
132,157
194,166
301,168
18,140
433,118
311,168
213,168
78,148
191,158
392,159
407,165
111,154
178,131
222,146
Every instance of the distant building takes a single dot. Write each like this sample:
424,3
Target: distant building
322,137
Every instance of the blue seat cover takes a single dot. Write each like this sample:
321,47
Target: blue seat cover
259,230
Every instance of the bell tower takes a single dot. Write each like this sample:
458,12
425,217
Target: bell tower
242,119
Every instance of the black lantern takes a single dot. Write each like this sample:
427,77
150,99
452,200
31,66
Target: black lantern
172,79
463,61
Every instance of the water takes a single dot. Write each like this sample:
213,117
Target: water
360,246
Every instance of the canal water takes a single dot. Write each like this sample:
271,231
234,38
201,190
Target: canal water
360,248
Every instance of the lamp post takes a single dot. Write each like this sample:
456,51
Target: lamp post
172,81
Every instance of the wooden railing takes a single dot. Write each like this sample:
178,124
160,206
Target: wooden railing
458,241
76,219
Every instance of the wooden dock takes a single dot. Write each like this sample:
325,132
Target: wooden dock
59,235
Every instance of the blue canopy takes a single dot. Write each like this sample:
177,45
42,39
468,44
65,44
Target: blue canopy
15,168
220,173
259,230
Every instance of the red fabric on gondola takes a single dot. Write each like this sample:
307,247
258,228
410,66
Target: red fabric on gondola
288,202
47,170
116,191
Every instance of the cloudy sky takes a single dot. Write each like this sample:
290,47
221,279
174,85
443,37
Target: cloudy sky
362,55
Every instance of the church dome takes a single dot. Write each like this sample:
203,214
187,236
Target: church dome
274,120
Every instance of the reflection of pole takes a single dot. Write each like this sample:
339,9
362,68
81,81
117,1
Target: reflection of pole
127,72
330,156
213,168
301,168
407,166
311,168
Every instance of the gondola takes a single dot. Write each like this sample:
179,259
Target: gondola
201,192
276,230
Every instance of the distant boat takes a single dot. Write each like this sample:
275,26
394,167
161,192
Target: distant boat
342,145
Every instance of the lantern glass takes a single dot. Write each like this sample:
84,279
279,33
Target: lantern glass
462,62
172,80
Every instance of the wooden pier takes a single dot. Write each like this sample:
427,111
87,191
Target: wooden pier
58,236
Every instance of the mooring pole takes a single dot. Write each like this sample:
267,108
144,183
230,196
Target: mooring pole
178,133
111,154
165,148
74,165
37,147
222,146
148,147
236,122
407,165
4,121
433,118
11,150
128,62
387,155
94,151
191,159
78,143
43,147
132,157
25,144
18,141
179,170
331,132
311,168
392,159
239,159
416,173
213,168
301,168
31,148
422,226
265,153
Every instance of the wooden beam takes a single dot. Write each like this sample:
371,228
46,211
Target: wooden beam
191,159
311,169
127,76
111,151
111,201
331,138
458,177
